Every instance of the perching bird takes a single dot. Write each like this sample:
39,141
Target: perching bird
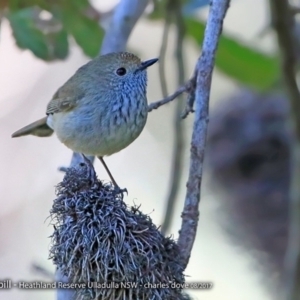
101,109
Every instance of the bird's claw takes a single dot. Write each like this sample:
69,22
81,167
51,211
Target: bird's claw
117,190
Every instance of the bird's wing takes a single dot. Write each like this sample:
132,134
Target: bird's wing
64,99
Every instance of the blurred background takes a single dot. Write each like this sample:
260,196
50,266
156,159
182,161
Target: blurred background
242,233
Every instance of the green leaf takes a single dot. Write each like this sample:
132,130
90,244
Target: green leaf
245,64
60,44
27,35
87,32
17,5
80,4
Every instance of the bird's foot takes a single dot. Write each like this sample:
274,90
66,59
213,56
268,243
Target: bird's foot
117,190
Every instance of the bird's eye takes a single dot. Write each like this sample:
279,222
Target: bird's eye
121,71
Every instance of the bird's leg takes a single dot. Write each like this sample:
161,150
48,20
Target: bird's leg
108,172
118,190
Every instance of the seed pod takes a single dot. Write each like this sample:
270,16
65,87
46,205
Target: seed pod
100,241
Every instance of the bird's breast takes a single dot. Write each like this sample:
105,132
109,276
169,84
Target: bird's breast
101,129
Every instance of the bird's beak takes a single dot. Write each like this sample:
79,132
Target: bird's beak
147,63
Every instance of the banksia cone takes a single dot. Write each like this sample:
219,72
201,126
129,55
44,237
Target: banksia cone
114,251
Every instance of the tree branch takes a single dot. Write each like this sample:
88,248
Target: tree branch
123,20
284,24
204,69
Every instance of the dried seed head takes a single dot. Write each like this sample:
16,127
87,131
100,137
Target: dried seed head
98,240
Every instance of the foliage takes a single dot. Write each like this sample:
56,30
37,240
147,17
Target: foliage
44,27
238,61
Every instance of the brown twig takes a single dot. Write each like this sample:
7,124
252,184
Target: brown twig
204,69
284,24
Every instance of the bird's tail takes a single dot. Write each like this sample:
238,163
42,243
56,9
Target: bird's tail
37,128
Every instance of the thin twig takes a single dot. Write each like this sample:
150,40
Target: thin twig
205,65
155,105
179,140
284,24
188,87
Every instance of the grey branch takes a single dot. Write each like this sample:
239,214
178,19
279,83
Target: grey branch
188,87
123,20
179,91
284,24
204,70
